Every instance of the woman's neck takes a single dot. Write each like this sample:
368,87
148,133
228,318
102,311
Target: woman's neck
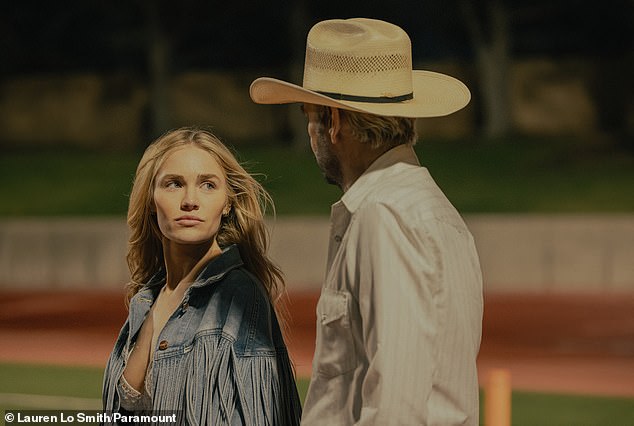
183,262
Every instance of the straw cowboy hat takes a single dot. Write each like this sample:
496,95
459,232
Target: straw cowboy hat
365,65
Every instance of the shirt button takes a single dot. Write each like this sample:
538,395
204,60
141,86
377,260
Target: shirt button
338,238
163,345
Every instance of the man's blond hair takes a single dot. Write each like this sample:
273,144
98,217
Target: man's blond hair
377,131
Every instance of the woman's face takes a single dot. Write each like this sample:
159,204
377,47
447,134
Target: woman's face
190,194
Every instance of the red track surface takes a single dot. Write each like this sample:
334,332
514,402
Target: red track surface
551,343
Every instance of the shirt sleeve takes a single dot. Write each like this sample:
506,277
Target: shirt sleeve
399,274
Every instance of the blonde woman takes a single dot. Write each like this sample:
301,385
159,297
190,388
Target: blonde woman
202,339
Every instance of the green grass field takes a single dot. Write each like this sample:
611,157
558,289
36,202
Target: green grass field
40,387
519,175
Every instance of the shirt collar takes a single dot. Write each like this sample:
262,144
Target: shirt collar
219,266
377,170
214,270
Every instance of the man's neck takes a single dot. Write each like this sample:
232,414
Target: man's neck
358,158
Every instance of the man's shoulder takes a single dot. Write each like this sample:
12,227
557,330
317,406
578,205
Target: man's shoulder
411,195
405,178
408,188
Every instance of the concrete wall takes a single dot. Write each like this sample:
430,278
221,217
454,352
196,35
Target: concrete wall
63,253
518,253
555,253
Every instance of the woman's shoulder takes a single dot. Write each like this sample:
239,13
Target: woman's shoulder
245,295
240,307
226,277
241,285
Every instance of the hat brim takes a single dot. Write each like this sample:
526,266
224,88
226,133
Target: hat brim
435,95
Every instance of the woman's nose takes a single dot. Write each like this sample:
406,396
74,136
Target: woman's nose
189,202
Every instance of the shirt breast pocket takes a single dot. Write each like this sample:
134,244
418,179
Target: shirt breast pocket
335,346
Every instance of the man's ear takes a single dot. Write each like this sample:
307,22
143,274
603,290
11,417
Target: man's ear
335,125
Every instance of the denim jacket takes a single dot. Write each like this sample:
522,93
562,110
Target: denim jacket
220,359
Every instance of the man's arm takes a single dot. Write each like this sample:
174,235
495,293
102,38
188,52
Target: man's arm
400,271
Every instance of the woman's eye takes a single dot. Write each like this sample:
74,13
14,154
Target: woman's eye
209,185
172,184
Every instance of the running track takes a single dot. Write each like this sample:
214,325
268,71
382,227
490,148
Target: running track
580,344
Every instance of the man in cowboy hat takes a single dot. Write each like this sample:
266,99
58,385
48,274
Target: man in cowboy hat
400,313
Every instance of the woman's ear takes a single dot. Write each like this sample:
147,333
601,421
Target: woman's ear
226,210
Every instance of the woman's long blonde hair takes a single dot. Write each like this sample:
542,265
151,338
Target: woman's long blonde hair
244,225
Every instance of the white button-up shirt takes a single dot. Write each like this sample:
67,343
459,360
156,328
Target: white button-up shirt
399,319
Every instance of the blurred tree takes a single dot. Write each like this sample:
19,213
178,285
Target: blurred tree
299,24
489,30
158,59
150,40
500,31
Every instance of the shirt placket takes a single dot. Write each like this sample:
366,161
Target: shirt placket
339,221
